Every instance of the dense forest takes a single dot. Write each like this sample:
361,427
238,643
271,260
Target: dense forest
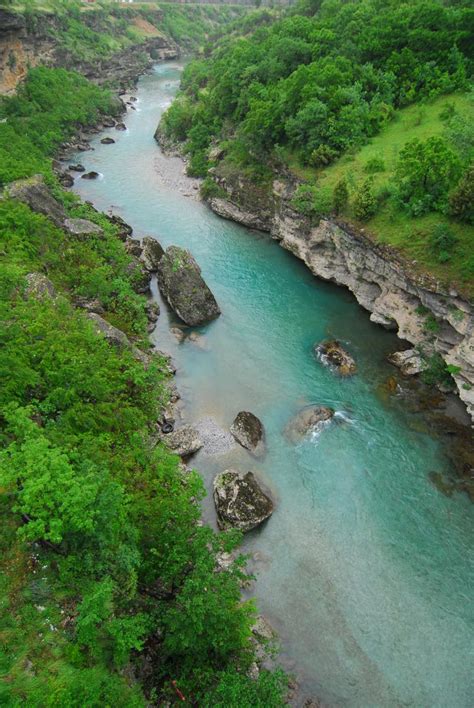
369,104
111,588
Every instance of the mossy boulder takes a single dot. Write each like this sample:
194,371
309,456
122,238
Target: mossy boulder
240,501
181,283
248,430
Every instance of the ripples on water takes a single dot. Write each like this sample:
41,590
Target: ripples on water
364,568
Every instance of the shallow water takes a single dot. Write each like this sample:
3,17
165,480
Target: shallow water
365,569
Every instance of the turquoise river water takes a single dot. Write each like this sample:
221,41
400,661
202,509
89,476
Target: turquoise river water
365,568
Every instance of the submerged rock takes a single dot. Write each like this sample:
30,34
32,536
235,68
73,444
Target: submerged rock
90,175
240,501
152,311
152,253
332,353
409,362
248,430
34,193
180,281
184,441
82,227
107,141
77,168
308,420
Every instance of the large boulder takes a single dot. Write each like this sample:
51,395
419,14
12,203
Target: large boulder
152,253
333,354
124,229
36,195
90,175
180,281
82,227
409,362
248,430
309,420
240,501
184,441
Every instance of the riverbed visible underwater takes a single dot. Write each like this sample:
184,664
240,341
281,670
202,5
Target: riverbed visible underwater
365,568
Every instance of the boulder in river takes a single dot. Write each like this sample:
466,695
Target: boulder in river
120,126
108,122
152,253
409,362
183,441
77,167
34,193
181,282
332,353
107,141
90,175
309,420
248,430
240,501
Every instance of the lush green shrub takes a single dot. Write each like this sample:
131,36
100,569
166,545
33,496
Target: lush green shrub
443,242
365,201
340,196
461,199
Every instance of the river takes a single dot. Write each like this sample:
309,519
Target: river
365,568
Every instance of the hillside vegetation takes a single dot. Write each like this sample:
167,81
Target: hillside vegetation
368,102
110,588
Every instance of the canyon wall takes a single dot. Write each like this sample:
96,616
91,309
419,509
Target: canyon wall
432,317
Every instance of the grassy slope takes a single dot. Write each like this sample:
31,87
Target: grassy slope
391,225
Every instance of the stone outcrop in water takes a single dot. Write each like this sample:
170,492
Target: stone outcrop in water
152,253
90,175
240,501
309,420
383,283
181,282
248,430
332,353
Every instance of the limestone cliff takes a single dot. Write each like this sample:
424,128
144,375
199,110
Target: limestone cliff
32,41
383,283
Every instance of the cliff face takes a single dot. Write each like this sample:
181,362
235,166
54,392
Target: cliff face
25,44
381,281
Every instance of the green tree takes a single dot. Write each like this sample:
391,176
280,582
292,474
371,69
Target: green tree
365,201
425,173
340,196
461,199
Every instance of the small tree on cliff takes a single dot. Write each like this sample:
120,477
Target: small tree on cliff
365,202
340,196
461,200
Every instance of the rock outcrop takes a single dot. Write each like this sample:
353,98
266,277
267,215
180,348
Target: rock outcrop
409,362
334,355
152,253
34,192
82,227
309,420
240,501
386,285
181,282
248,430
39,287
184,441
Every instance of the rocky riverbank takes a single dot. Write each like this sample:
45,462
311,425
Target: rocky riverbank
435,320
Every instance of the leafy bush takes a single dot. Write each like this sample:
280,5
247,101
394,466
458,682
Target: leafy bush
365,201
340,196
375,164
442,242
461,199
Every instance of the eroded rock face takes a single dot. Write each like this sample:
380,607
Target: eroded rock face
409,362
333,354
181,282
124,229
36,195
240,501
248,430
152,253
309,420
184,441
